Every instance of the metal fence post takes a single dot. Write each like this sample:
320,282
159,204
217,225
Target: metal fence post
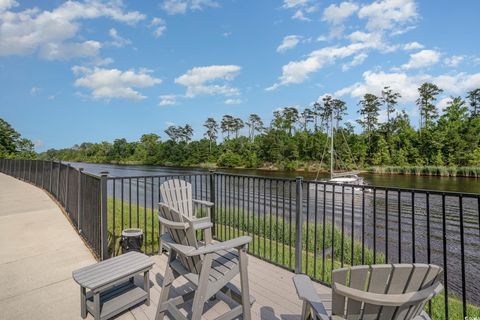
66,188
51,176
298,224
36,173
212,199
29,170
58,180
43,174
80,200
103,206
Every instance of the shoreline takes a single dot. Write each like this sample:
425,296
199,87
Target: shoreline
428,171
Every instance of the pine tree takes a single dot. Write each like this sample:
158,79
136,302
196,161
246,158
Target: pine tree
428,111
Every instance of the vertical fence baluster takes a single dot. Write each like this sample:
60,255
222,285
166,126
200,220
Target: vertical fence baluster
445,266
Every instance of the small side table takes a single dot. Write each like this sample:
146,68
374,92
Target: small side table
111,287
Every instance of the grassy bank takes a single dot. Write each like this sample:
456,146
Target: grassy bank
272,242
471,172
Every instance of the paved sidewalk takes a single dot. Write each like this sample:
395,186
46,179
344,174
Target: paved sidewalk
38,251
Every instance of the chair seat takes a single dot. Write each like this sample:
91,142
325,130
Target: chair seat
224,263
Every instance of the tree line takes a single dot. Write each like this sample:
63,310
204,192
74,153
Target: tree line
12,144
296,138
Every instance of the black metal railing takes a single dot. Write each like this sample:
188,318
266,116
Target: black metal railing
77,192
304,226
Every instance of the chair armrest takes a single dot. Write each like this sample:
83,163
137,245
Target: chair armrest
388,300
307,293
226,245
200,223
203,202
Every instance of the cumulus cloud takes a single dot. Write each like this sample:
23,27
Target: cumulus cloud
301,8
407,85
173,7
204,80
336,14
233,101
34,90
113,83
388,14
453,61
422,59
357,60
413,46
117,40
289,42
168,100
298,71
52,34
159,26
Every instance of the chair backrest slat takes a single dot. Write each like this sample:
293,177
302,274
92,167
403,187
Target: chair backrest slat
358,280
177,194
338,301
181,236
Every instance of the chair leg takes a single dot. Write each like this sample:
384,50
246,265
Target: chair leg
208,236
160,242
305,310
201,292
244,284
167,284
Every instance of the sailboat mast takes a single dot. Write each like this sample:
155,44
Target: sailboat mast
331,145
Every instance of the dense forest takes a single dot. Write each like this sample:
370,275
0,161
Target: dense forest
297,139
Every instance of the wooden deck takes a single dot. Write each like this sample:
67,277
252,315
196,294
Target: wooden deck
271,286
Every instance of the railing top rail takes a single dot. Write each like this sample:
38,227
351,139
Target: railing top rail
160,176
253,176
397,189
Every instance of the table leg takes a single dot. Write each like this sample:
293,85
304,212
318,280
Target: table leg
83,302
96,306
146,285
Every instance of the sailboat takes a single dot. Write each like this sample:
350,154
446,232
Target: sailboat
345,180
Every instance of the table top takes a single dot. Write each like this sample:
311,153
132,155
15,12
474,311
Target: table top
110,270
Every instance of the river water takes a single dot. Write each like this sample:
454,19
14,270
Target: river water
409,224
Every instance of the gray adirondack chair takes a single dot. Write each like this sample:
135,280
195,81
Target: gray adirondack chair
177,194
209,268
387,291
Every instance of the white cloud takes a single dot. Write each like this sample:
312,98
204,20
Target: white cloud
407,85
114,83
357,60
117,40
51,97
337,14
201,80
233,101
301,7
298,71
388,14
7,4
453,61
34,90
168,100
289,42
413,46
52,34
159,26
422,59
173,7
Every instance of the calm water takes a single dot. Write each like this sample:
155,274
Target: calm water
458,184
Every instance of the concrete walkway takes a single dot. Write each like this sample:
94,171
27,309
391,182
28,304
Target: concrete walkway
38,251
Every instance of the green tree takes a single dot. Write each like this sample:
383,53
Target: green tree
212,131
428,93
474,99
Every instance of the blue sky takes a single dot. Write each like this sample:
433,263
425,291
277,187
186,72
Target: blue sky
98,70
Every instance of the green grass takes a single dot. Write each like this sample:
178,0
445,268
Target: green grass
443,171
278,248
